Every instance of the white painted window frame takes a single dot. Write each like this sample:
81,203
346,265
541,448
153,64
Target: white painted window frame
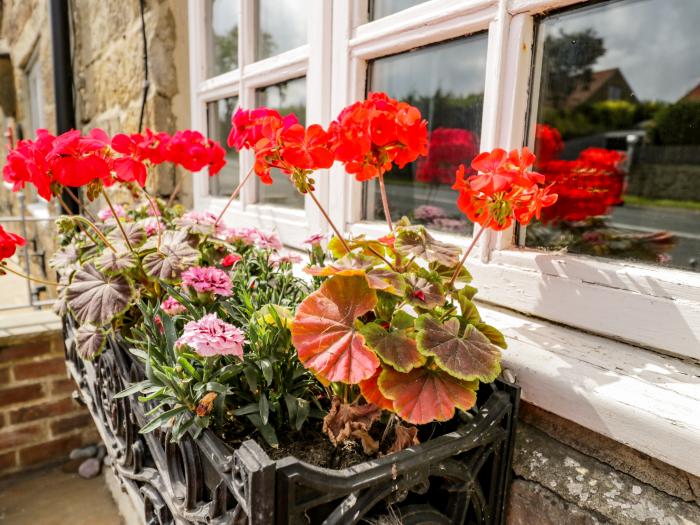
648,306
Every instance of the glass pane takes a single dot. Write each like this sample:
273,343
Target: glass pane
382,8
446,82
218,126
222,25
287,97
280,25
618,131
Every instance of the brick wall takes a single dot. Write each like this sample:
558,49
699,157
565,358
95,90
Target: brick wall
40,423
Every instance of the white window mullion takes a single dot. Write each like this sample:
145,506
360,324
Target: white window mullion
246,56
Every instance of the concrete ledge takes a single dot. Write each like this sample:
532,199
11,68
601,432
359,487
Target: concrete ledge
21,327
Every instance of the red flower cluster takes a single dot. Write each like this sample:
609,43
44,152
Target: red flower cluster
75,160
279,142
370,136
503,190
447,149
9,243
587,186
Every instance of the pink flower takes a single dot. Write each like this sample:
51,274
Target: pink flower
105,213
230,260
247,236
316,239
151,225
429,213
276,259
207,279
268,240
171,306
211,336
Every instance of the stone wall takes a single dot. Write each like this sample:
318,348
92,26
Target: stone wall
40,423
564,473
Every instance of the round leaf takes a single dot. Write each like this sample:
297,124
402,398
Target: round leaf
96,298
394,347
111,262
372,394
324,331
90,340
415,241
175,255
425,395
469,357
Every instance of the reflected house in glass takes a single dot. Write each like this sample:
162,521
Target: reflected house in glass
609,84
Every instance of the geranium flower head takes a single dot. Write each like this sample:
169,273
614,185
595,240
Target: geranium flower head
172,306
27,164
210,336
9,243
207,279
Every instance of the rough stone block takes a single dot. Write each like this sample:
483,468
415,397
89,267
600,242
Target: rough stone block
531,504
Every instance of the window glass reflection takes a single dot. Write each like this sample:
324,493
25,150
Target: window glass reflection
222,25
286,97
382,8
446,82
218,126
280,26
618,131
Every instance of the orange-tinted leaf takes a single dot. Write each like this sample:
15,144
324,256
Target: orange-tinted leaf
423,293
394,347
425,395
404,437
372,394
386,280
417,242
324,331
358,264
471,356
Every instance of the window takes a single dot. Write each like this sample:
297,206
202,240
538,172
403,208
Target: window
222,36
446,82
286,97
618,131
36,95
218,126
485,74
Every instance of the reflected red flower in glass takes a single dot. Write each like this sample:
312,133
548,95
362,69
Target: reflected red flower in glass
9,243
447,149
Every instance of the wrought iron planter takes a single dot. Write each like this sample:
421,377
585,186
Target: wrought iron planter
459,477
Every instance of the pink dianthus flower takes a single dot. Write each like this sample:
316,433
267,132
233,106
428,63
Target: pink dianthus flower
171,306
207,279
211,336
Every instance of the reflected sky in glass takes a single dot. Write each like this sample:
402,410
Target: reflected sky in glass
281,26
222,20
286,97
381,8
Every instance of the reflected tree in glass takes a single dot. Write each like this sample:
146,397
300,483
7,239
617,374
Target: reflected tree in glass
222,24
218,126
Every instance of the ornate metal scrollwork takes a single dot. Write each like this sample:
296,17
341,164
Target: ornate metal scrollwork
459,477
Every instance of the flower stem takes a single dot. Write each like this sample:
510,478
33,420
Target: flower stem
234,195
83,209
156,216
385,203
176,190
119,222
330,222
464,257
83,220
28,277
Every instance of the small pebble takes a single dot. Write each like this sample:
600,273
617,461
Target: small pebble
90,468
83,452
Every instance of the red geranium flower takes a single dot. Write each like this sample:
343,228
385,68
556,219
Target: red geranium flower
306,149
129,167
27,164
9,243
76,160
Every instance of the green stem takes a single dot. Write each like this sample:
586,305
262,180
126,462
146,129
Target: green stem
156,216
83,220
330,222
25,276
385,203
464,258
119,222
234,195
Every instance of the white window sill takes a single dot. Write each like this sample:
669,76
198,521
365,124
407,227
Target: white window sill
646,400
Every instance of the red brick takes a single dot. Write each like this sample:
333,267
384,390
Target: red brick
63,386
14,437
39,369
24,351
49,450
4,376
70,423
18,394
43,410
8,461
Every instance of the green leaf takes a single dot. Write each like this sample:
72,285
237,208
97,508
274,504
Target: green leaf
494,335
132,389
110,262
251,377
469,311
266,368
190,369
393,347
266,430
467,357
174,256
96,298
264,407
415,241
403,321
162,419
302,413
250,408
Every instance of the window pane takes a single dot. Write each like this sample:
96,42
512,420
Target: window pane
382,8
287,97
446,82
218,126
280,25
618,131
222,25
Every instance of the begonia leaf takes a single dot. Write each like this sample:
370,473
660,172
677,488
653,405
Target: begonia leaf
369,247
96,298
494,335
90,341
394,347
402,320
423,293
386,280
134,232
111,262
64,257
424,395
467,357
415,241
174,256
325,332
357,264
370,391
